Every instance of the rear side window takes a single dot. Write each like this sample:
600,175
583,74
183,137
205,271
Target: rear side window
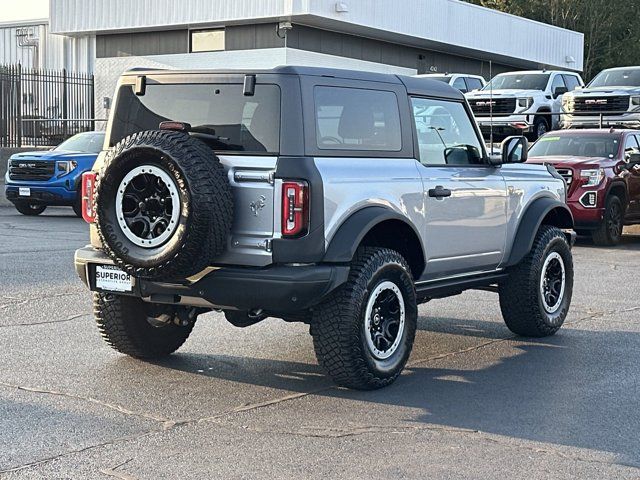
357,119
219,114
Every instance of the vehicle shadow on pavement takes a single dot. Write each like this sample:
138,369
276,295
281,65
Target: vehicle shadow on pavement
629,241
466,327
550,391
546,390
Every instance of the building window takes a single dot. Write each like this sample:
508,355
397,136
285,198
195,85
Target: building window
207,40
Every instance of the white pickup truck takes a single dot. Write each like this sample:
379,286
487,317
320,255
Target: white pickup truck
512,103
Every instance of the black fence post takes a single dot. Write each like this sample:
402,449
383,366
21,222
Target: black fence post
65,105
18,78
93,100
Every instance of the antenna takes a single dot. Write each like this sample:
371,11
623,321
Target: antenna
491,105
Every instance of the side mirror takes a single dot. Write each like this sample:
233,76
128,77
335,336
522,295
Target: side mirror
559,91
633,160
515,150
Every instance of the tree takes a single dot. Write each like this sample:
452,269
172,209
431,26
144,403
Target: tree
609,37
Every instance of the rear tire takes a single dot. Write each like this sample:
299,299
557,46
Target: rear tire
536,296
363,334
609,233
127,325
30,209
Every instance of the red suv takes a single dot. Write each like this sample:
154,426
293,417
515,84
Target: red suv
602,171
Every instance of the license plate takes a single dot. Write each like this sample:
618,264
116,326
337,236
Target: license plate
24,191
112,279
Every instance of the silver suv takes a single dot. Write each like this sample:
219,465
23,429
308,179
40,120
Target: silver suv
336,198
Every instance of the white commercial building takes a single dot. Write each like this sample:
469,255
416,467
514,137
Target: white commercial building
31,44
404,36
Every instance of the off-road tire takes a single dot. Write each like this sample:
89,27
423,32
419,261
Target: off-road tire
338,324
123,324
520,298
609,233
205,216
30,209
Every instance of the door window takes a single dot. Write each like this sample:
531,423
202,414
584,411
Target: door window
459,84
445,133
630,145
357,119
558,82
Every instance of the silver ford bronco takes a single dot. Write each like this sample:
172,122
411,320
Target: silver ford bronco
336,198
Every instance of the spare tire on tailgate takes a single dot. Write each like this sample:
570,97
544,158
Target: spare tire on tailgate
163,205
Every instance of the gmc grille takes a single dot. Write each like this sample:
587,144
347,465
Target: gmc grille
502,107
31,170
567,174
618,103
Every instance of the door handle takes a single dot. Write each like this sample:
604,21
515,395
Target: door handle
439,192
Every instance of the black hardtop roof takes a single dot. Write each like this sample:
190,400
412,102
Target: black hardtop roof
414,85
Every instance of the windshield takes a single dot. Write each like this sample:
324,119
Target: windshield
605,146
83,142
618,77
219,114
521,81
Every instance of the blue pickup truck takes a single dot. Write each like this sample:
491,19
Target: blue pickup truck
36,180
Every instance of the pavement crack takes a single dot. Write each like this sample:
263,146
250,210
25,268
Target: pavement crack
30,324
258,405
79,450
11,301
110,406
459,352
111,472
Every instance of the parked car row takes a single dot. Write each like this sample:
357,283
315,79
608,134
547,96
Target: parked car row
532,103
601,166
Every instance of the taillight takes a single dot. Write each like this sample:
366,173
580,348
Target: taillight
88,186
295,208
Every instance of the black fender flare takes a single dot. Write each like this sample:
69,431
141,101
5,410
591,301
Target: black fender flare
346,240
549,118
619,183
530,223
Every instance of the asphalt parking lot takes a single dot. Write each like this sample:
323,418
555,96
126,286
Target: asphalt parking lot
475,402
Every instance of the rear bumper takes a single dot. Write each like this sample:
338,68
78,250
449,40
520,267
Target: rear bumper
279,288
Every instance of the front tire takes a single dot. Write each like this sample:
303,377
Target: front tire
540,127
609,233
134,327
363,334
30,209
536,296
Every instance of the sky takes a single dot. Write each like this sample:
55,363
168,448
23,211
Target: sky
11,10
